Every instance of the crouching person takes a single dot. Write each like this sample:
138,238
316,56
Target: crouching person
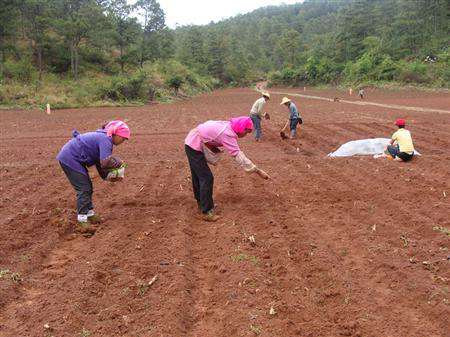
89,149
203,145
401,145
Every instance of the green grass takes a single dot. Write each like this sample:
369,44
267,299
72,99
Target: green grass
244,257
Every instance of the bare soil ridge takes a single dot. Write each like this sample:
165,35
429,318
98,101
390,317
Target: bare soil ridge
343,247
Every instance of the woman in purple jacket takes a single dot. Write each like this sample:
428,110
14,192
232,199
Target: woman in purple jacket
88,149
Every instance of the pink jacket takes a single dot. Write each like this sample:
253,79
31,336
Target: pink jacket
215,133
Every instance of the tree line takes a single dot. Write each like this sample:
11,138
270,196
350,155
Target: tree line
104,35
317,41
322,41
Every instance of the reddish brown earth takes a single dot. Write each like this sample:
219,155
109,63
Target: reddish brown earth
344,247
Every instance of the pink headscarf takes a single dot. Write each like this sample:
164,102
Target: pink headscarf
240,124
118,128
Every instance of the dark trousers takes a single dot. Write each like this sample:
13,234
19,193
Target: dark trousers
83,187
394,151
202,179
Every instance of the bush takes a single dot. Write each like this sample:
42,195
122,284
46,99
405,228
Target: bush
22,70
175,82
414,72
287,76
123,88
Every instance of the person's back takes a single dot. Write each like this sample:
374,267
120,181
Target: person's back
293,111
404,140
258,106
85,149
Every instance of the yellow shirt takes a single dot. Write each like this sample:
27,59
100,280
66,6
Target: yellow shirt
403,138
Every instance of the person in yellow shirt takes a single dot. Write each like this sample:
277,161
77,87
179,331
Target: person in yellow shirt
401,146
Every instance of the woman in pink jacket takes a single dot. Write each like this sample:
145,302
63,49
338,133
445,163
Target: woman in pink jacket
202,146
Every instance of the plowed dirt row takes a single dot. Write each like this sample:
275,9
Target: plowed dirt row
344,247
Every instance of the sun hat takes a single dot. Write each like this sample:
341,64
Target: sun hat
285,100
266,94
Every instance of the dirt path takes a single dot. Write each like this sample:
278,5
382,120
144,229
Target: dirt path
343,247
390,106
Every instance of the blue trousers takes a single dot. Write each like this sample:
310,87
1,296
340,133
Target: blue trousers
82,185
293,127
394,151
257,125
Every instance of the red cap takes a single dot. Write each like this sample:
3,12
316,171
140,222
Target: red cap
400,122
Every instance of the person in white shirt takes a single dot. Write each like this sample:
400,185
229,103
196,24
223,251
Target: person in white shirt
256,114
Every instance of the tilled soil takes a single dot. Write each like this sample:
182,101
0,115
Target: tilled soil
343,247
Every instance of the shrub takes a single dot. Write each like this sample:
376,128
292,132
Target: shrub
175,82
413,72
122,88
22,70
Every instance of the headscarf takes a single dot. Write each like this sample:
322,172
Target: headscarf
118,128
240,124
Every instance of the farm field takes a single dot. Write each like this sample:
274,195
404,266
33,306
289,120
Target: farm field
343,246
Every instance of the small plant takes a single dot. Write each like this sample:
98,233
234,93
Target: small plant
441,229
255,329
57,211
244,257
239,258
405,240
16,278
4,272
85,333
24,258
142,288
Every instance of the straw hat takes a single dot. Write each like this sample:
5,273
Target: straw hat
266,94
285,100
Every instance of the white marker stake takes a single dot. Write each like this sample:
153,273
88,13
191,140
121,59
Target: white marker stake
350,91
304,88
48,109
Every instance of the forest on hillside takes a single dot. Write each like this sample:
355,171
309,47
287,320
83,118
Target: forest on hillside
322,41
84,52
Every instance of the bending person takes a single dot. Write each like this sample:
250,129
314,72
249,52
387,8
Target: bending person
294,118
88,149
401,145
202,146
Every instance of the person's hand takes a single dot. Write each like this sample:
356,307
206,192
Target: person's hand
267,116
262,174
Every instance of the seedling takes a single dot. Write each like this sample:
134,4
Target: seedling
85,333
4,272
244,257
405,240
142,288
441,229
24,258
255,329
15,277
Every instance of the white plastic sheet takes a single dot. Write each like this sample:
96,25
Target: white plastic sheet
362,147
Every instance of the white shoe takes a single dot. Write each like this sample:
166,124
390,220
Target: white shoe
90,213
82,218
